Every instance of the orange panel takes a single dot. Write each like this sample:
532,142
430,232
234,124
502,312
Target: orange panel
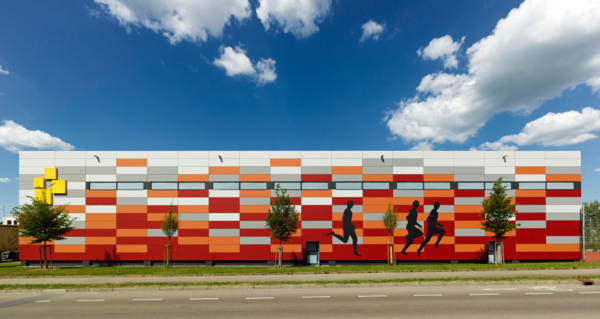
75,209
156,217
132,232
468,208
376,240
193,209
446,240
162,193
286,162
254,208
530,170
298,233
223,240
100,240
471,248
193,225
132,209
98,193
192,178
316,193
400,232
412,249
378,177
255,193
229,170
100,225
326,248
563,178
562,247
104,217
349,170
438,178
288,248
446,216
192,240
132,162
132,248
438,193
467,224
372,224
530,193
224,248
521,248
69,248
374,208
255,178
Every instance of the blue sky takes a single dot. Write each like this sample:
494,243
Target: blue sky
299,74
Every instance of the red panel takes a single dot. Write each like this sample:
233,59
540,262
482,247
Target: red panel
572,255
76,233
315,216
253,216
112,249
531,216
563,224
317,209
407,208
224,256
531,255
563,193
471,256
530,201
430,248
162,209
470,240
160,241
224,201
194,249
132,241
137,256
223,209
442,200
133,225
378,193
531,240
254,232
255,249
316,177
467,216
223,225
152,225
193,256
127,217
408,178
469,193
67,256
295,200
563,232
531,232
375,232
101,232
344,200
314,232
194,193
193,232
101,201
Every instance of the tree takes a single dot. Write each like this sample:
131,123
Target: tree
390,222
497,211
169,225
591,223
282,220
42,223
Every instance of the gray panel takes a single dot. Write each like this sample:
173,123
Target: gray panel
291,193
224,178
255,240
562,239
78,224
255,201
403,223
70,170
442,209
469,178
132,178
252,225
28,185
438,170
563,216
100,170
531,224
224,233
162,170
27,178
468,200
408,193
376,162
410,162
563,201
157,233
505,177
163,178
71,193
336,241
372,216
341,208
71,241
531,208
286,177
563,170
316,224
316,170
460,232
132,201
469,170
346,177
255,170
194,217
378,170
73,178
509,192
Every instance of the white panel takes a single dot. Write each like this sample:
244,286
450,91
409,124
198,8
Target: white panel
315,154
438,162
224,217
32,170
132,154
69,162
346,193
469,154
101,154
101,178
132,193
80,216
377,154
464,162
346,162
255,162
408,154
25,193
564,154
162,162
563,162
499,170
530,178
408,170
36,154
59,200
193,162
76,185
92,209
499,154
69,154
132,170
45,162
346,154
104,162
226,162
530,162
162,154
510,161
164,201
316,201
316,162
285,154
193,170
224,154
192,154
285,170
438,154
193,201
563,208
530,154
255,154
24,200
223,193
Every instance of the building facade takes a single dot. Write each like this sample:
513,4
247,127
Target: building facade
118,199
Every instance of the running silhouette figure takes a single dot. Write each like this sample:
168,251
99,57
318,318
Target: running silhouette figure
413,232
348,228
432,222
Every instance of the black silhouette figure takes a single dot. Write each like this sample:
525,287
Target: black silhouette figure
432,229
348,228
413,232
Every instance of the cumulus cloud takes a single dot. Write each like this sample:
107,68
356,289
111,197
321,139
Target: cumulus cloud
236,62
299,17
371,30
442,48
4,180
537,51
2,71
15,138
178,20
423,146
597,170
552,129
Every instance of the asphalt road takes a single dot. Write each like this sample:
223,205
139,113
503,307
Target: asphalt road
561,301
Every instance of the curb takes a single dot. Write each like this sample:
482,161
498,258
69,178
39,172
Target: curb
264,287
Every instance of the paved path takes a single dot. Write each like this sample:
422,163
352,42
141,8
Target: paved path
305,277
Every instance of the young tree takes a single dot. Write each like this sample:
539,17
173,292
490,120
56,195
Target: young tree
282,220
169,225
390,222
497,210
42,223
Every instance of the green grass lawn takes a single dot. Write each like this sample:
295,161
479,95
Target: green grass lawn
15,270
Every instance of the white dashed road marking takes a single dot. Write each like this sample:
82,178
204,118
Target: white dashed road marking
589,292
42,301
500,289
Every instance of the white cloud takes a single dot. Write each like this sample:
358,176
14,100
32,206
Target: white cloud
597,170
540,49
299,17
4,180
423,146
178,20
235,62
371,30
3,71
442,48
15,138
552,129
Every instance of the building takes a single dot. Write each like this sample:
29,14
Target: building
9,221
223,197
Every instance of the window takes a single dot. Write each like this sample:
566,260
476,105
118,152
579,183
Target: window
437,185
376,185
222,185
253,185
355,185
288,185
101,186
311,185
562,185
9,222
470,185
491,185
191,186
410,185
130,186
532,185
164,185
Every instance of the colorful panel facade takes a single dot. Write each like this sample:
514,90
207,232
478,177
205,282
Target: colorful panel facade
223,198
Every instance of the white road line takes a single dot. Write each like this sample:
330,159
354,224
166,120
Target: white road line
589,292
539,293
313,297
483,294
91,300
256,298
372,296
432,295
42,301
147,299
500,289
204,298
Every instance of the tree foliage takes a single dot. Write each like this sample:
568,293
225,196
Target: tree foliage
170,224
497,211
390,220
282,220
592,211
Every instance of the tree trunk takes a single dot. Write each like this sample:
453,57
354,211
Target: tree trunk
45,257
40,251
280,255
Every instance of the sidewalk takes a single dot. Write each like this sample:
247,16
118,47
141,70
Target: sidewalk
303,277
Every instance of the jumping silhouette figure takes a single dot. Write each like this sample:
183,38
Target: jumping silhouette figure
432,222
348,228
413,232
